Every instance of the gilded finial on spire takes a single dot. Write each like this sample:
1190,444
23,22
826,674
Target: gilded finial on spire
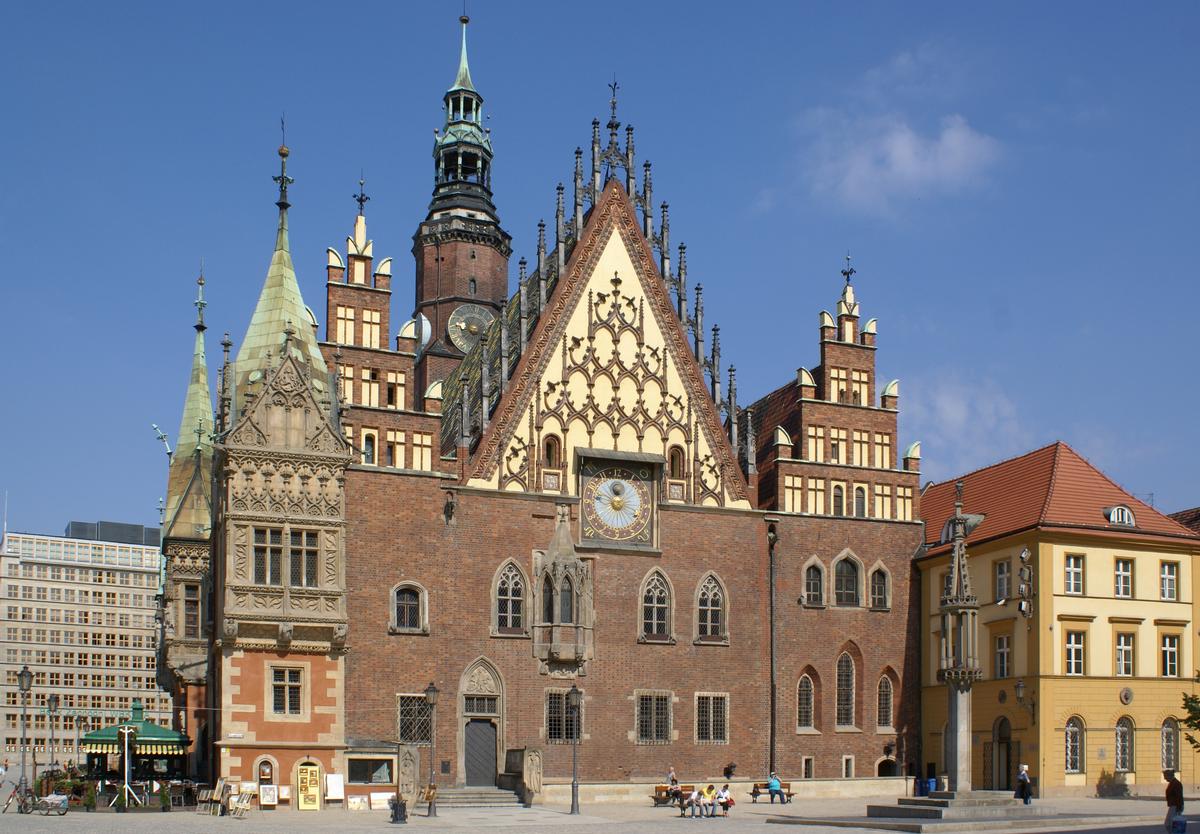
283,179
849,271
462,81
361,197
200,303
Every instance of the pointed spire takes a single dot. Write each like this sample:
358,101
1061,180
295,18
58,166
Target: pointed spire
191,465
462,81
280,305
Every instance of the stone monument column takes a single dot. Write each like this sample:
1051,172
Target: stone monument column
959,662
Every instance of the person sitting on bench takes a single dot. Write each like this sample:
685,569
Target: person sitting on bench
725,800
774,787
692,801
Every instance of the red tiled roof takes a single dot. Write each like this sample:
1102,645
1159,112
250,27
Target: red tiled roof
1051,486
1189,518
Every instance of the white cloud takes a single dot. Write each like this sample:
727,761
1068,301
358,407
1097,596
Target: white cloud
896,136
963,423
871,163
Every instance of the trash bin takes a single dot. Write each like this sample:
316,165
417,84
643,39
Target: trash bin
920,788
399,810
931,785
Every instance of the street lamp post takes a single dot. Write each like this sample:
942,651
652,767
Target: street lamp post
81,723
24,683
51,714
431,698
574,696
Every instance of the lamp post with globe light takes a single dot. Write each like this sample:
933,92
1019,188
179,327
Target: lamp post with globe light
431,698
24,684
574,697
51,714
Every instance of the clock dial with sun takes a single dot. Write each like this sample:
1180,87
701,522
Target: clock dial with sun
617,504
467,324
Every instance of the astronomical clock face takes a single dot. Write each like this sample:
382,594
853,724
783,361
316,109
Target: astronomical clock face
467,324
617,503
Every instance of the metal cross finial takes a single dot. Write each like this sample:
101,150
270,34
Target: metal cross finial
612,102
283,179
849,270
361,198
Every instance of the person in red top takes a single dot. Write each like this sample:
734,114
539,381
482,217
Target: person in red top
1174,799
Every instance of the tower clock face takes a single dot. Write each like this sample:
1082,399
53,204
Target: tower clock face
617,504
467,324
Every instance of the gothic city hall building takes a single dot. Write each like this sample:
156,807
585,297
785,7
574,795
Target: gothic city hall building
531,483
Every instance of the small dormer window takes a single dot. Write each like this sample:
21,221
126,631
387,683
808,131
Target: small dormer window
1121,515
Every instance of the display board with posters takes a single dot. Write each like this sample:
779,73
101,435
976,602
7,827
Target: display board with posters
268,796
308,787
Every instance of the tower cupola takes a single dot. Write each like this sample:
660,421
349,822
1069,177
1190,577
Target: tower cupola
462,149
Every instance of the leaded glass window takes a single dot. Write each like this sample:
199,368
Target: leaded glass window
845,691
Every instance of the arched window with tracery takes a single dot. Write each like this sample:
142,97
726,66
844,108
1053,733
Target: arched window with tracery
656,608
883,713
710,617
806,714
510,600
814,585
1123,745
845,690
566,601
845,583
1073,745
1170,744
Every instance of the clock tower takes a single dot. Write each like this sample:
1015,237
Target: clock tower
460,249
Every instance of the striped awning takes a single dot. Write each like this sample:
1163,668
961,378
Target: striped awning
140,748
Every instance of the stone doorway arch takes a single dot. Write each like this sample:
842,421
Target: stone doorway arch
480,714
1003,764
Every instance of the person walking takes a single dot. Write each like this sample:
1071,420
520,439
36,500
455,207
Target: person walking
1174,801
774,787
1024,786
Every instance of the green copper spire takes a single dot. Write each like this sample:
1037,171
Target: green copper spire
188,505
280,320
462,81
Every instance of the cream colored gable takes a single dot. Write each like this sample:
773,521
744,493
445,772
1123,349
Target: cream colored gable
613,382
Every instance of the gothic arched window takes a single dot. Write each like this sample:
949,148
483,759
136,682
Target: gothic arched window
805,704
839,501
566,601
510,600
1123,745
814,585
547,600
879,588
553,456
845,583
1073,745
675,463
883,713
845,690
860,502
710,612
656,607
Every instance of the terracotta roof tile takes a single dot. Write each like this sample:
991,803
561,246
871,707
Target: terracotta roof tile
1188,518
1053,485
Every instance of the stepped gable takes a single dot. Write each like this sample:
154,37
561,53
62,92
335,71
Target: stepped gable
612,213
1053,486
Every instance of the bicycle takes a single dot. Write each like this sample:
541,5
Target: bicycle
25,799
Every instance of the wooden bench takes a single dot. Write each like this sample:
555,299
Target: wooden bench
760,789
662,794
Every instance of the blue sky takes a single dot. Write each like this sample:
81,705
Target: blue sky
1018,184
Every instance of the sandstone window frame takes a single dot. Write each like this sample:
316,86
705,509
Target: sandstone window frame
885,705
369,454
1075,653
806,704
793,494
848,590
711,710
861,448
712,611
395,449
422,451
1168,581
653,717
816,496
397,390
814,584
345,325
394,626
846,683
508,572
883,501
1123,576
904,503
561,725
1169,650
883,450
413,718
289,679
1074,571
656,608
816,444
879,588
1125,659
370,328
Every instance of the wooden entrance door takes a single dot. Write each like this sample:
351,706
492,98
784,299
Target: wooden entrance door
480,752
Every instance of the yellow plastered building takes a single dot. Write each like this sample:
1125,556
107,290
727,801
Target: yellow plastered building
1087,630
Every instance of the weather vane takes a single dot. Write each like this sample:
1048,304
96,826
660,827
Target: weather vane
849,270
612,102
361,197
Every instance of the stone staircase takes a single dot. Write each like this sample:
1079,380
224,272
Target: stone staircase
475,797
949,805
